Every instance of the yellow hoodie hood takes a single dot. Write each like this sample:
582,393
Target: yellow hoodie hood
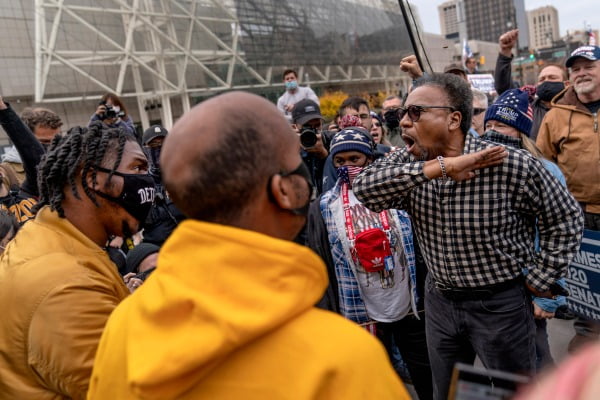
216,289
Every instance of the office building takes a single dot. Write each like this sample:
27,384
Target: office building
543,27
485,20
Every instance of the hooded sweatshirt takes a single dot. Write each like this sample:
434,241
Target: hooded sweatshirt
228,314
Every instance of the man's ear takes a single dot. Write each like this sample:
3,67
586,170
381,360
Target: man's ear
101,181
455,118
282,192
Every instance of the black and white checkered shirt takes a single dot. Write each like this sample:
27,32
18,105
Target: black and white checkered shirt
481,231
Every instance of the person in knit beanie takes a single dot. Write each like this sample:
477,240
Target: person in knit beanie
510,110
503,129
355,244
138,258
509,120
351,148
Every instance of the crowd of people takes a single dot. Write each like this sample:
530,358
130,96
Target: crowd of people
258,251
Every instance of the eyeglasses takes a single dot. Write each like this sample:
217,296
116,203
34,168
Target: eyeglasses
414,111
364,116
477,111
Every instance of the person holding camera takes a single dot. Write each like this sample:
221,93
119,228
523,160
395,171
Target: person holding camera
112,112
308,123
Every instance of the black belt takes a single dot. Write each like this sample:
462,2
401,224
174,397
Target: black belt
476,293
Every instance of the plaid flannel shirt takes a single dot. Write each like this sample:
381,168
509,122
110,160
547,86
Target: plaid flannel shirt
481,231
351,304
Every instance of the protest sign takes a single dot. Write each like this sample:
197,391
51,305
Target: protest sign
583,278
482,82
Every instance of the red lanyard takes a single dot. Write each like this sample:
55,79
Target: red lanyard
348,216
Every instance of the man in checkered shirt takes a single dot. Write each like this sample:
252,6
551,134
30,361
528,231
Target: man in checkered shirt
475,207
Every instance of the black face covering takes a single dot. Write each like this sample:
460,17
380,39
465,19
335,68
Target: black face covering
500,138
137,195
302,171
547,90
154,155
391,119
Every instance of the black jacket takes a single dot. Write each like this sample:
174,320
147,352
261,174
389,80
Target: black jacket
318,241
503,82
163,217
29,148
21,202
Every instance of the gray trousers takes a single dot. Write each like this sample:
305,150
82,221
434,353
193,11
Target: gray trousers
499,329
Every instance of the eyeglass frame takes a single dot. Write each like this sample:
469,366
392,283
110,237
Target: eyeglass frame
402,111
478,110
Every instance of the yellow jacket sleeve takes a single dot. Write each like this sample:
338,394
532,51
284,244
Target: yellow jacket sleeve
64,334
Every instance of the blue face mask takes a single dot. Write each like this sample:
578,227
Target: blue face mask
291,85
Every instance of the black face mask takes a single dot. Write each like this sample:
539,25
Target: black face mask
137,196
547,90
154,156
391,119
302,171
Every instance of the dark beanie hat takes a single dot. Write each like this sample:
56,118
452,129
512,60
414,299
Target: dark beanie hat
352,139
136,255
512,108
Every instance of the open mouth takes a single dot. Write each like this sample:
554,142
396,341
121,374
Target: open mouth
409,141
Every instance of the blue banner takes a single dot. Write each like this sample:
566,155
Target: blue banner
583,279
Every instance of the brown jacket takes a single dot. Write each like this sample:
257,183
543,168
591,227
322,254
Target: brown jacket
57,289
569,136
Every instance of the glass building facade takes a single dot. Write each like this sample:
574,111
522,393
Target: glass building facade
162,51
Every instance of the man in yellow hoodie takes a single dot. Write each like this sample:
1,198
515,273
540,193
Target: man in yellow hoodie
229,312
57,284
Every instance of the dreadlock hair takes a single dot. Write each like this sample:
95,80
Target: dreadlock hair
77,153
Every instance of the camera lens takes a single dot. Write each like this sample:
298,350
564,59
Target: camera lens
308,138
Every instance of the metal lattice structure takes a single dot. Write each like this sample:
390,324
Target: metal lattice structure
166,49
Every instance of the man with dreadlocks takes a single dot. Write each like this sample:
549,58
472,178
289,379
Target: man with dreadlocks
57,284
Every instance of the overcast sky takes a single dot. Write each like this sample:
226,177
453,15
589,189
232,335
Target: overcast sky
571,13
